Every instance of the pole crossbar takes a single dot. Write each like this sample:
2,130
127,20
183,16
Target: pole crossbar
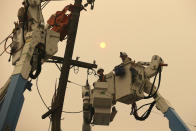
56,59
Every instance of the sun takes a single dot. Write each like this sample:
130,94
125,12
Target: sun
102,44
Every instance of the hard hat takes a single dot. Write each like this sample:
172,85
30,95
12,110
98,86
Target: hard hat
100,70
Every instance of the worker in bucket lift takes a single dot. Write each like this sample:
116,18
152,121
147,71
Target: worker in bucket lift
101,75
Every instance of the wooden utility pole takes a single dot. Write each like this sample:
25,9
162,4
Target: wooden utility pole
59,100
57,103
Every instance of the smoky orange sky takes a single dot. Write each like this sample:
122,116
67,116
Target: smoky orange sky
142,28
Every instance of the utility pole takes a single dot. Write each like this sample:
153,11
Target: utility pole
59,100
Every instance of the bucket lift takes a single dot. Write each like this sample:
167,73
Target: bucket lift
127,84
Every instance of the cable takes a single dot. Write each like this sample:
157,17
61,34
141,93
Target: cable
145,115
41,95
141,107
73,112
75,83
40,54
6,38
92,72
5,48
58,66
12,51
159,82
49,125
45,4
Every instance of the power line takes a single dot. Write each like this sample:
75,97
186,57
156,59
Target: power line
75,83
49,125
45,4
41,95
46,104
58,66
72,112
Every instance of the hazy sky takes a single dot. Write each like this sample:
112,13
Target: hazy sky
141,28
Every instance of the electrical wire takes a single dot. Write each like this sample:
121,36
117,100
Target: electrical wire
147,113
159,82
6,38
45,4
49,125
5,50
73,112
92,72
58,66
88,73
46,104
12,52
41,95
75,83
141,107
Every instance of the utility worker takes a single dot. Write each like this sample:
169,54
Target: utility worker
101,75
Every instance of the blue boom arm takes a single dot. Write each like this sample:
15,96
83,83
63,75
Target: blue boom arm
175,122
11,106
